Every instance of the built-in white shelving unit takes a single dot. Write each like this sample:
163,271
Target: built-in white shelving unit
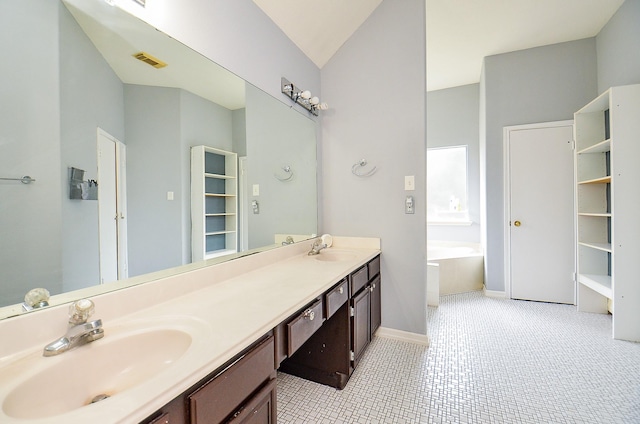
214,202
607,136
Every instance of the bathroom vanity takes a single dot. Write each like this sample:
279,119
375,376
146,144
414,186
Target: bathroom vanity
322,342
203,345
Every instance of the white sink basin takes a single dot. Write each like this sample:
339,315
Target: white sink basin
105,367
334,255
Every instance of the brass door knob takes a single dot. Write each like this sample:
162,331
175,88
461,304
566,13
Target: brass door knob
517,223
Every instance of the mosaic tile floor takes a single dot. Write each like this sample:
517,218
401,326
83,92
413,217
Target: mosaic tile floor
490,361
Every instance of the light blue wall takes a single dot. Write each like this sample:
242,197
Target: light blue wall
30,224
453,120
276,136
618,47
375,86
536,85
91,96
162,125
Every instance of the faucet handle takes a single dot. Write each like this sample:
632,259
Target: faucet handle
36,298
80,311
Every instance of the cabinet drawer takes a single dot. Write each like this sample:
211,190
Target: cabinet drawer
336,298
303,326
218,398
359,280
260,409
374,267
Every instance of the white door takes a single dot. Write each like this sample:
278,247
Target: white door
540,212
112,208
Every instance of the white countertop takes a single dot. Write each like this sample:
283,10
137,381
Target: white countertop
224,307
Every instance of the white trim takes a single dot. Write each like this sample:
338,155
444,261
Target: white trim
494,293
405,336
506,136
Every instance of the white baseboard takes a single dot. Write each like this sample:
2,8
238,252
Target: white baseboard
494,293
404,336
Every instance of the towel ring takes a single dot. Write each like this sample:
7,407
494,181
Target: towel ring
361,164
288,171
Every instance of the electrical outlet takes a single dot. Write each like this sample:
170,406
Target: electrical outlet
409,207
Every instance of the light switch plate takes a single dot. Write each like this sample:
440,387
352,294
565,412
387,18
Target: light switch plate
409,182
169,195
256,189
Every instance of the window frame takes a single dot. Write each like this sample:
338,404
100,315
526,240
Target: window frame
464,220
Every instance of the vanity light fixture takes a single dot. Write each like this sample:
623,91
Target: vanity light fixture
303,98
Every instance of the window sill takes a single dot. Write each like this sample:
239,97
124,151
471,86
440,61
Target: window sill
450,223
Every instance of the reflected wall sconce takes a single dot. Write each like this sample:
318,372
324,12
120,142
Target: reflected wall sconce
303,98
287,174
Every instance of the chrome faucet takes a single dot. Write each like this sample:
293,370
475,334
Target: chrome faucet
316,247
80,331
288,240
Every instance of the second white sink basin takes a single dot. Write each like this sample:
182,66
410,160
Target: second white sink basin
97,370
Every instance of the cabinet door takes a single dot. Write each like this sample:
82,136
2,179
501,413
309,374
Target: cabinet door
376,304
360,323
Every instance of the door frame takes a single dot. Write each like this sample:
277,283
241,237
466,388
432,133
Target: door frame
506,137
122,259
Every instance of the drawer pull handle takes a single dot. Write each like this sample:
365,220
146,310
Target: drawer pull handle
309,314
341,290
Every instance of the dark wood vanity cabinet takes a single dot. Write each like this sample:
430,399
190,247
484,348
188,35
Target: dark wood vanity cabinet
241,392
366,307
332,353
322,342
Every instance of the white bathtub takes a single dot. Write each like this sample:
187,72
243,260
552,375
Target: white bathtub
453,267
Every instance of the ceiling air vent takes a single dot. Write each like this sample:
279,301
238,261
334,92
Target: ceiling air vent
150,60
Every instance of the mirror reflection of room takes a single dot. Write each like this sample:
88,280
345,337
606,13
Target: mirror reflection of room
130,127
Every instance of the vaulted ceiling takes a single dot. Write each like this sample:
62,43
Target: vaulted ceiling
459,33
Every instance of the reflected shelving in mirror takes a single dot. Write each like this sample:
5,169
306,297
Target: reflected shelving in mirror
158,120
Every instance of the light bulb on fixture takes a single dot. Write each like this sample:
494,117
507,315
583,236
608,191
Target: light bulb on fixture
302,97
306,94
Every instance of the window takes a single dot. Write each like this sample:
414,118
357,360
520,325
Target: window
447,186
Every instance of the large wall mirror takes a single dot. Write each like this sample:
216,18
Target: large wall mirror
69,84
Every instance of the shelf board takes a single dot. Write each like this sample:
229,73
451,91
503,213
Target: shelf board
600,103
596,214
218,233
219,176
219,195
601,147
220,214
598,283
601,180
598,246
217,253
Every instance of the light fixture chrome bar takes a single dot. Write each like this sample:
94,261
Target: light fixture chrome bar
295,94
